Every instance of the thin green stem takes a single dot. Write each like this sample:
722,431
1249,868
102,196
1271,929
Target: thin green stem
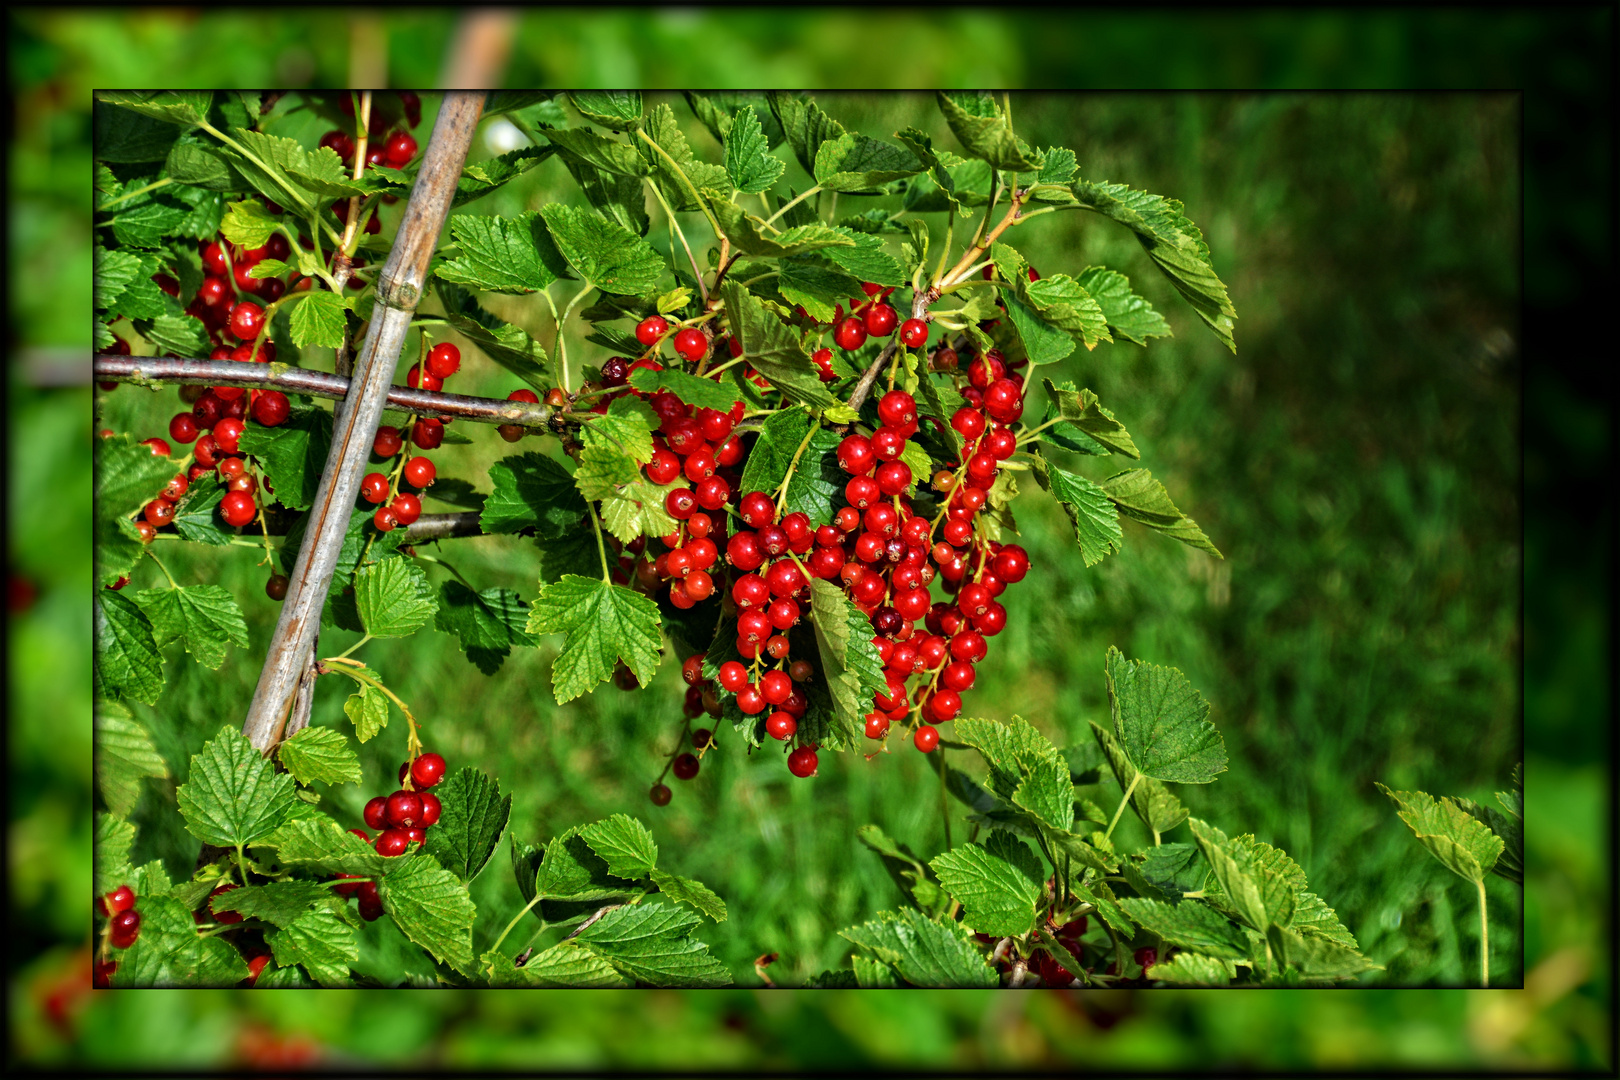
675,227
132,194
601,548
791,203
728,364
1484,938
944,801
762,277
173,584
781,492
241,863
515,920
350,651
296,196
561,344
1123,800
673,164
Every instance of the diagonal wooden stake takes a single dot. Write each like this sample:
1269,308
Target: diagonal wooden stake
399,288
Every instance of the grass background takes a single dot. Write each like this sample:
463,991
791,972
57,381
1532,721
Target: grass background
1359,463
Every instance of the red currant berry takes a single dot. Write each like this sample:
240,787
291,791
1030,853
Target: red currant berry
862,492
418,379
750,591
681,503
733,676
651,331
120,899
926,739
176,488
160,448
781,725
404,809
387,442
374,487
1004,400
406,507
371,905
750,700
126,927
660,795
1011,564
1146,956
271,408
802,762
384,519
226,434
850,335
856,455
443,360
401,149
691,344
893,477
880,320
968,645
159,512
428,433
822,358
389,843
237,508
427,770
914,333
247,319
685,767
897,408
213,258
276,587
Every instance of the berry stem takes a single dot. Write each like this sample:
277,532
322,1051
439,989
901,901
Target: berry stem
1123,800
295,197
517,919
791,203
675,228
412,742
561,344
728,364
352,648
673,164
173,584
126,196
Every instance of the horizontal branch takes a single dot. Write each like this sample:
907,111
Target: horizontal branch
167,369
431,527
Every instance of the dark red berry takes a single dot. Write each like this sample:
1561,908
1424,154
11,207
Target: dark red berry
660,795
126,927
387,442
247,319
389,843
431,809
802,762
427,770
685,767
404,809
276,587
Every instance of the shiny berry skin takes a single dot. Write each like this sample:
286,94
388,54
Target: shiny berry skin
660,795
733,676
651,331
781,725
371,905
1004,400
944,705
428,433
992,621
893,477
969,423
213,258
376,812
912,604
276,587
663,468
743,552
822,358
389,843
443,360
802,762
387,442
680,503
757,509
1001,443
784,579
926,739
691,344
775,687
887,621
159,512
384,519
246,320
850,335
176,488
419,473
226,434
897,408
968,645
880,320
750,591
685,767
855,455
401,149
183,428
914,333
427,770
160,447
981,470
783,614
374,487
271,408
888,443
406,507
126,927
237,508
120,899
1011,564
848,519
404,809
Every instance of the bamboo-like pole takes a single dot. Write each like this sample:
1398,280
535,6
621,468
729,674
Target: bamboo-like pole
399,288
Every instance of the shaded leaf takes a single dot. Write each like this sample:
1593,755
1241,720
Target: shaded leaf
124,756
473,814
925,953
531,491
233,795
320,754
603,623
127,658
394,598
431,905
205,618
1143,498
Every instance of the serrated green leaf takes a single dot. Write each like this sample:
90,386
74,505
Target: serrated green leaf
281,903
1191,925
978,124
565,965
181,335
679,181
124,756
607,254
318,319
1173,869
1509,826
114,837
997,882
319,845
367,709
773,349
1314,959
804,126
818,289
1082,409
1174,244
1144,499
472,816
873,974
603,624
199,164
638,509
322,942
1159,810
618,110
850,668
1463,844
570,870
1192,969
1047,793
925,953
394,598
859,163
293,454
652,943
1129,316
498,254
866,258
127,657
320,754
701,393
507,345
431,905
624,844
1257,891
184,107
205,618
608,155
233,795
128,476
169,952
1058,166
531,491
489,622
1162,722
693,894
939,177
1095,521
123,138
1023,761
749,164
247,223
1043,342
115,271
746,233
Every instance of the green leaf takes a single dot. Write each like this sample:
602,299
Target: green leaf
115,271
1174,244
1129,316
293,454
701,393
322,942
818,289
1463,844
866,258
997,882
472,816
693,894
199,164
1064,302
394,598
127,658
1044,343
662,129
874,974
319,845
978,124
248,224
128,476
653,944
570,870
1509,827
571,554
749,164
318,319
624,844
1191,925
205,618
489,622
281,903
922,146
367,709
178,334
1143,498
804,125
123,139
1313,959
858,163
603,624
746,233
1025,769
1095,521
1100,896
715,108
319,172
605,253
114,837
1047,793
498,254
1162,722
911,875
1159,810
1192,969
637,509
320,754
851,669
431,905
187,108
567,965
1257,889
233,795
773,349
484,177
1082,409
924,952
608,155
620,200
507,345
1174,869
169,952
1058,166
618,110
124,756
531,491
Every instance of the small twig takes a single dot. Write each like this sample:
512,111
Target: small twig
601,911
863,389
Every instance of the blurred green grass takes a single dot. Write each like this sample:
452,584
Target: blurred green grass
1356,462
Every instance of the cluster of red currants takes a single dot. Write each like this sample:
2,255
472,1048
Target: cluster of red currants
404,818
401,508
393,148
123,925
